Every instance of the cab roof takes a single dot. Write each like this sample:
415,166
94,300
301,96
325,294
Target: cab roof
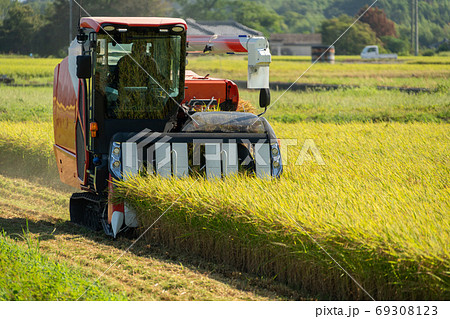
96,22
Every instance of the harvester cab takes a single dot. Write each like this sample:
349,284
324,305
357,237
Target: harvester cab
123,102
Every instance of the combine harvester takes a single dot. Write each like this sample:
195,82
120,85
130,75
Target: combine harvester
123,104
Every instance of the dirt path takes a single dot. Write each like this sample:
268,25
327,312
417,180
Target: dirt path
145,273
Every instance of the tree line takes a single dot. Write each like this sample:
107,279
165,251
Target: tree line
42,26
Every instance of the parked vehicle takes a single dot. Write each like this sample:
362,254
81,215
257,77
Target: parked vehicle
372,52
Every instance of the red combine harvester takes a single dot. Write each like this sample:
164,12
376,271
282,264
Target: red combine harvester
123,102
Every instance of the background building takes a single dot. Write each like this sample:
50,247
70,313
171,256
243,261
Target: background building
219,28
293,43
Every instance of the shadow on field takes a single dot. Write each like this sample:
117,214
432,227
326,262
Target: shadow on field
50,230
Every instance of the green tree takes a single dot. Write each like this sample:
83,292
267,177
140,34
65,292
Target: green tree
129,8
19,27
203,9
297,23
253,14
396,45
339,7
257,16
4,6
352,42
39,6
53,36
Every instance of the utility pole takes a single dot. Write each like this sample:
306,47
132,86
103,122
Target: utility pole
417,28
413,16
70,21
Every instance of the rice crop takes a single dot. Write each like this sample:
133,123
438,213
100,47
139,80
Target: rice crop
26,148
26,69
379,207
35,139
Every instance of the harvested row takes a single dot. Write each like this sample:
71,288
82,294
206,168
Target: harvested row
74,257
31,194
26,104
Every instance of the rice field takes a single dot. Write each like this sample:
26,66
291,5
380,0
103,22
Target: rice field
348,70
30,138
379,206
28,70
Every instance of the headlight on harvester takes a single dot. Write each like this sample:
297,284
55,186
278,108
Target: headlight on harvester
277,166
115,165
275,151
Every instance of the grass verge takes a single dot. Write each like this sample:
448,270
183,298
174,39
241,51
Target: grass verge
27,274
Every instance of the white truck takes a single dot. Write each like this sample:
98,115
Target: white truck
372,52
